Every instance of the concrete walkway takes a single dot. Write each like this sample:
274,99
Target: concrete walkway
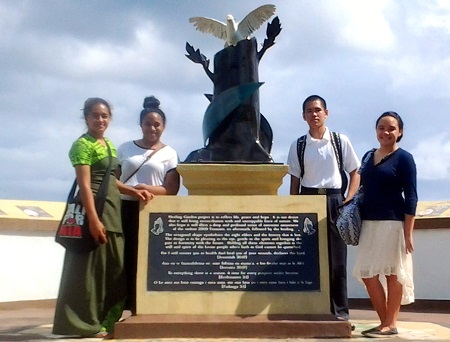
34,323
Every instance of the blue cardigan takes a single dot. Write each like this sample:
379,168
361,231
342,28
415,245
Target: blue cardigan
389,188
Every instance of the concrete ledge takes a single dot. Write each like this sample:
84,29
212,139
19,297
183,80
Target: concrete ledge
27,304
207,326
34,216
432,215
432,223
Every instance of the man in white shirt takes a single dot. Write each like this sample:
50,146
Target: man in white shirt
321,175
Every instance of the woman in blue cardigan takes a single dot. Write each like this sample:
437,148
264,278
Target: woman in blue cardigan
383,260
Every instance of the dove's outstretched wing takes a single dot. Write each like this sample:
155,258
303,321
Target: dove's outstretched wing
208,25
255,19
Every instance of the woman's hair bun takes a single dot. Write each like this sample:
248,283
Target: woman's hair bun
151,105
151,102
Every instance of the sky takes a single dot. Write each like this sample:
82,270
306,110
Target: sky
363,57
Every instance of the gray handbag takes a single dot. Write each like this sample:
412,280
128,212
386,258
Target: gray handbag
348,222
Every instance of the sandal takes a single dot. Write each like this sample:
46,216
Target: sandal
102,334
364,332
379,333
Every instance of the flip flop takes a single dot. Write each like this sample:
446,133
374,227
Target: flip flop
365,332
379,333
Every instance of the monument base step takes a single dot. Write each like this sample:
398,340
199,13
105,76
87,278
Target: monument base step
218,326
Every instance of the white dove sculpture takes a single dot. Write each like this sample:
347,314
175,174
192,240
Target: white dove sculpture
233,32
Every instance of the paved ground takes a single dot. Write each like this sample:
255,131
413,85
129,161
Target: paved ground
35,323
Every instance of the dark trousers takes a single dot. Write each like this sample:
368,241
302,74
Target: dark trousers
337,255
130,226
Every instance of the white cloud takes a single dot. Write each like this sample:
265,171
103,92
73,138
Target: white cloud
364,24
11,16
434,16
432,157
364,57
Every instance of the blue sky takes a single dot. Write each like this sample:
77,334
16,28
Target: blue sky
363,57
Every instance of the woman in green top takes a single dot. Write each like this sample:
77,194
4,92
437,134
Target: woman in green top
93,287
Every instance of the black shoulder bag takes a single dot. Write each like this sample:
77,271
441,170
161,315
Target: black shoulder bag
73,231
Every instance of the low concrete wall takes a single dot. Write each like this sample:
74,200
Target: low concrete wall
31,266
31,261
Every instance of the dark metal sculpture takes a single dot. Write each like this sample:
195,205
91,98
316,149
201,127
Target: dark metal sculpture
234,130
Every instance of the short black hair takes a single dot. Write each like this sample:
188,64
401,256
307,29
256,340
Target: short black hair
314,98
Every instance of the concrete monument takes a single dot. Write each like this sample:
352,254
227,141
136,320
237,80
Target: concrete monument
233,259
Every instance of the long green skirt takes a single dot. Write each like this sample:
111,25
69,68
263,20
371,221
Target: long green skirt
92,291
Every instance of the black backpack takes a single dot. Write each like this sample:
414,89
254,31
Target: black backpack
336,143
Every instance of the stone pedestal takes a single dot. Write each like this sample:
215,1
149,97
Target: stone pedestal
232,179
228,297
235,327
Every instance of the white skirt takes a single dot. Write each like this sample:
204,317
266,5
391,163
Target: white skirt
382,251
